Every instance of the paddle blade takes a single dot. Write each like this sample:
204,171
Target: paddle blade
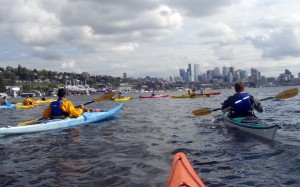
287,94
104,97
202,112
28,122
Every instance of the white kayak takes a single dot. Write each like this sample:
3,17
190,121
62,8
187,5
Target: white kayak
252,125
45,125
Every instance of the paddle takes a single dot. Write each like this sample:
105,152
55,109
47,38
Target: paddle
103,97
283,95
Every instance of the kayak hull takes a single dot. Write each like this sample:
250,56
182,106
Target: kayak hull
253,126
123,99
188,96
211,93
155,96
45,101
88,117
7,107
182,173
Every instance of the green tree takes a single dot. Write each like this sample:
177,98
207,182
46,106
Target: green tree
2,83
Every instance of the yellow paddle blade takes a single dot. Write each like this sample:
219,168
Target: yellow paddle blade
28,122
202,112
104,97
287,94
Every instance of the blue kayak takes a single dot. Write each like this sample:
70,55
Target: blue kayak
7,106
45,125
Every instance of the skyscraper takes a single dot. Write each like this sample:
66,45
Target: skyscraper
196,72
189,72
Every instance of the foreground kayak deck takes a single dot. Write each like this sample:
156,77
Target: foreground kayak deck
155,96
87,117
252,126
182,173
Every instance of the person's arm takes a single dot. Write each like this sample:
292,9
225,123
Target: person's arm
227,104
69,108
256,104
47,112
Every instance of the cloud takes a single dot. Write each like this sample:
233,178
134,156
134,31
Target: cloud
157,36
279,44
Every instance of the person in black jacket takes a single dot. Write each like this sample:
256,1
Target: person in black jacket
241,104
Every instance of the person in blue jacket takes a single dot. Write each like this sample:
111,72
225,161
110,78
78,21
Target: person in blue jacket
5,102
241,104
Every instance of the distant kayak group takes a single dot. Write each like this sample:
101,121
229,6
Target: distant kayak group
28,102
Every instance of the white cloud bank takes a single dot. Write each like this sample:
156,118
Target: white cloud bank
150,37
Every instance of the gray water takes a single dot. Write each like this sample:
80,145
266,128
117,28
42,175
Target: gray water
136,147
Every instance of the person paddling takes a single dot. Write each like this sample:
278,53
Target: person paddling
64,108
5,102
241,104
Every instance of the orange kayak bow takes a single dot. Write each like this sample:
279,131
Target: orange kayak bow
183,174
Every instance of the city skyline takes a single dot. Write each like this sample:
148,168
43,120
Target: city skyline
150,37
236,74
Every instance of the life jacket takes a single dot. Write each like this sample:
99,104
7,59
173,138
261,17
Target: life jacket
242,102
56,109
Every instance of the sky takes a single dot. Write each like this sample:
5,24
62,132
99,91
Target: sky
150,37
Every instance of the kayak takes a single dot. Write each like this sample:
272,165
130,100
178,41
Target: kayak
188,96
150,96
45,125
182,173
123,99
7,106
45,101
18,105
252,125
27,106
211,93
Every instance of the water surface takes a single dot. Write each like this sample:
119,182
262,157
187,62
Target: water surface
136,147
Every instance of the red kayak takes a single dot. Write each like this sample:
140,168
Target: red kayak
155,96
182,173
211,93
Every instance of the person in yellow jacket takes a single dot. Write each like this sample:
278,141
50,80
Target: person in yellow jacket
64,108
28,101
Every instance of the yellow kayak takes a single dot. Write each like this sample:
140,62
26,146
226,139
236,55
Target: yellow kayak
123,99
188,96
45,101
28,106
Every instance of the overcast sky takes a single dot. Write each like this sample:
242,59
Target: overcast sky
150,37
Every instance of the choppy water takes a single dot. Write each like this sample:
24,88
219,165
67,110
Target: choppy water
136,148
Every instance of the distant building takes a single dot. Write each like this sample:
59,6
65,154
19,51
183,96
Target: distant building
196,72
124,75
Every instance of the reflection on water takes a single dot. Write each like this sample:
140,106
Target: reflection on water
136,147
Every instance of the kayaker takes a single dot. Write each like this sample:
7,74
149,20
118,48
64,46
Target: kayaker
5,102
120,95
28,101
44,98
64,108
241,104
153,94
191,92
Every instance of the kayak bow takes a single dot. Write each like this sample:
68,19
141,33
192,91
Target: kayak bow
182,173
